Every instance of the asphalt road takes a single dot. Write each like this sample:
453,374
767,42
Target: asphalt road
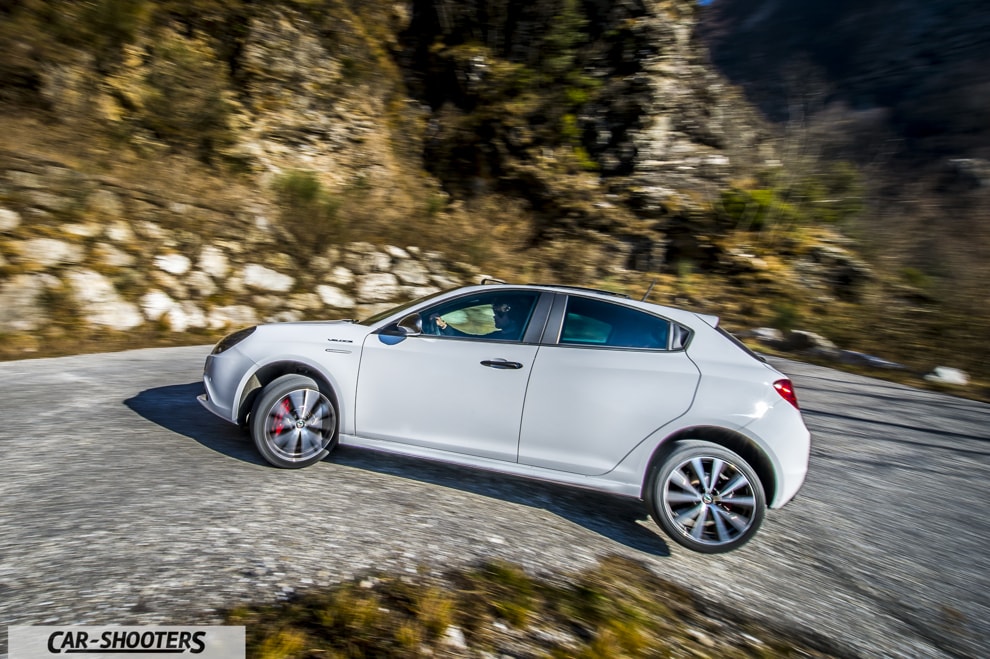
123,502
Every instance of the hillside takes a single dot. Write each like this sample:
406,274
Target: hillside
145,142
901,89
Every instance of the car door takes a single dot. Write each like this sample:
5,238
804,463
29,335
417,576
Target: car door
610,380
462,391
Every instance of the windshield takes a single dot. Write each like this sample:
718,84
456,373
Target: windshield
382,315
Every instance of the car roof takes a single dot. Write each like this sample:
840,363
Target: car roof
673,313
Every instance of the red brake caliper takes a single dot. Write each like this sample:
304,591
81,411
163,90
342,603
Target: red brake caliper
278,426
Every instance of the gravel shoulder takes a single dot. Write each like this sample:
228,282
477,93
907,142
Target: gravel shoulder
124,502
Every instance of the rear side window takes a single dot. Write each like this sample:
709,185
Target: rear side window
596,323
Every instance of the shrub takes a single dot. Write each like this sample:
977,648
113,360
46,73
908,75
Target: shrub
786,316
185,99
309,215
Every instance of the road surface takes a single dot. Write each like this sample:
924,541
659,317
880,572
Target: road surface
123,502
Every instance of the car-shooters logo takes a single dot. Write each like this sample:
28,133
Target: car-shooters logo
120,642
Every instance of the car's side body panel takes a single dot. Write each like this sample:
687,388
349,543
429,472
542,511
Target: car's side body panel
437,392
587,407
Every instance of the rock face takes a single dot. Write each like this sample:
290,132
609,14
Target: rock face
621,89
921,60
601,116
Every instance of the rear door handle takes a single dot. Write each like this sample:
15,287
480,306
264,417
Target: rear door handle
500,363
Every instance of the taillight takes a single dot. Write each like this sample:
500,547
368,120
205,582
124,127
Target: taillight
786,391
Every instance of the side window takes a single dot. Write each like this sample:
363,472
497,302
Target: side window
597,323
499,316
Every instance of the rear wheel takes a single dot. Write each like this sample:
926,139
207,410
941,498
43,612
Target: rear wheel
706,498
293,423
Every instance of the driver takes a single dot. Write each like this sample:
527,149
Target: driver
508,324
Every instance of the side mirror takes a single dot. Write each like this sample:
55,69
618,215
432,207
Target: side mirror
411,325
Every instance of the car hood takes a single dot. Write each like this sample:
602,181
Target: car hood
323,331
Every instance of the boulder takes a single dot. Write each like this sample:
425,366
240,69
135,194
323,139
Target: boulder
48,252
201,283
214,262
265,279
175,264
9,220
335,297
237,315
184,316
768,335
100,303
21,309
364,258
411,272
378,287
155,304
112,256
947,375
801,340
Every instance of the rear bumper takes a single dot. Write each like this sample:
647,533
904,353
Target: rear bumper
788,444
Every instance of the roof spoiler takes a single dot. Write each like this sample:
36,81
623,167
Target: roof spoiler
711,320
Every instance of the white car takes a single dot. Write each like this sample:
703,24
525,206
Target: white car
564,384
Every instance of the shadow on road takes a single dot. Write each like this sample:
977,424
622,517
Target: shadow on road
620,519
175,408
613,517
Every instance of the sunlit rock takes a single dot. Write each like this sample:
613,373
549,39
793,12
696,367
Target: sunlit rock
364,258
378,287
232,316
947,375
214,262
201,283
21,308
411,272
334,297
108,255
99,302
119,232
176,264
48,252
261,278
155,304
9,220
184,316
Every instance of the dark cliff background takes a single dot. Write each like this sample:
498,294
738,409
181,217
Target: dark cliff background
901,88
812,165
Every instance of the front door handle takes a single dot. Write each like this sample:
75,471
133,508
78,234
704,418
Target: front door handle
500,363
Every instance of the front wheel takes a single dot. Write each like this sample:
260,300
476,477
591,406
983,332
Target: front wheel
706,498
293,423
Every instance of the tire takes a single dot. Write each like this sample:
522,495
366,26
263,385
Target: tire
706,514
293,423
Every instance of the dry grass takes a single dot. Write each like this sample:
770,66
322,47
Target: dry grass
617,609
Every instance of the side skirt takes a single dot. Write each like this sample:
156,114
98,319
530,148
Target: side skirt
596,483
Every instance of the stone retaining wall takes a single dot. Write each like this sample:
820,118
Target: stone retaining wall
123,258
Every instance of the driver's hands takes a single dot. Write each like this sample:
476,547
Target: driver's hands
438,321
